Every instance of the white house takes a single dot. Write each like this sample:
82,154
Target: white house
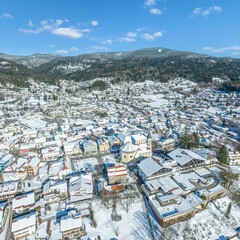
24,226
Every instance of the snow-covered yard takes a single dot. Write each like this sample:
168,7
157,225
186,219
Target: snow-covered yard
86,163
132,226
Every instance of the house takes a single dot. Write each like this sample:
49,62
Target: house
71,226
5,160
143,151
60,168
166,144
210,159
9,189
72,148
23,202
30,168
89,147
233,158
50,152
12,173
138,139
117,174
103,144
80,187
54,191
26,148
114,143
187,160
24,226
150,168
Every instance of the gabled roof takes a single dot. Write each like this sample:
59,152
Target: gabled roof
183,156
70,222
23,222
148,166
23,200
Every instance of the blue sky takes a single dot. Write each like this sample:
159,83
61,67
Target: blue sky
72,27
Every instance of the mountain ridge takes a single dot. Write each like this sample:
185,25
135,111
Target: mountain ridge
159,64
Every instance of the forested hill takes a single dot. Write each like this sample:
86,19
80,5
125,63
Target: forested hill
158,64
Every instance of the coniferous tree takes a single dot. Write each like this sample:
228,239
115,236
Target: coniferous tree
222,155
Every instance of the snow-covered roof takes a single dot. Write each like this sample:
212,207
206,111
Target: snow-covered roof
117,171
128,148
202,172
23,221
23,200
183,156
148,166
70,222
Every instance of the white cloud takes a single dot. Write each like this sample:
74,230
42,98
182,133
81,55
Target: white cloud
141,29
205,12
131,34
101,48
68,32
197,11
222,49
30,23
7,15
61,51
217,9
52,46
152,37
126,39
150,2
158,34
74,49
108,41
94,23
86,30
148,36
44,22
54,27
155,11
27,31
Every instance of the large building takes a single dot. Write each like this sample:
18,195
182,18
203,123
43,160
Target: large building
24,226
150,168
187,160
117,174
233,158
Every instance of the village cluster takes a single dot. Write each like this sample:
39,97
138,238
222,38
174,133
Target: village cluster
66,154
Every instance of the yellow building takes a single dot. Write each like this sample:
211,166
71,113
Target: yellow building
127,152
103,145
130,152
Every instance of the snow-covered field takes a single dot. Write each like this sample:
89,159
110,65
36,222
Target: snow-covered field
132,226
86,163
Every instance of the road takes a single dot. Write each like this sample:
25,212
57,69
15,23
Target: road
9,224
